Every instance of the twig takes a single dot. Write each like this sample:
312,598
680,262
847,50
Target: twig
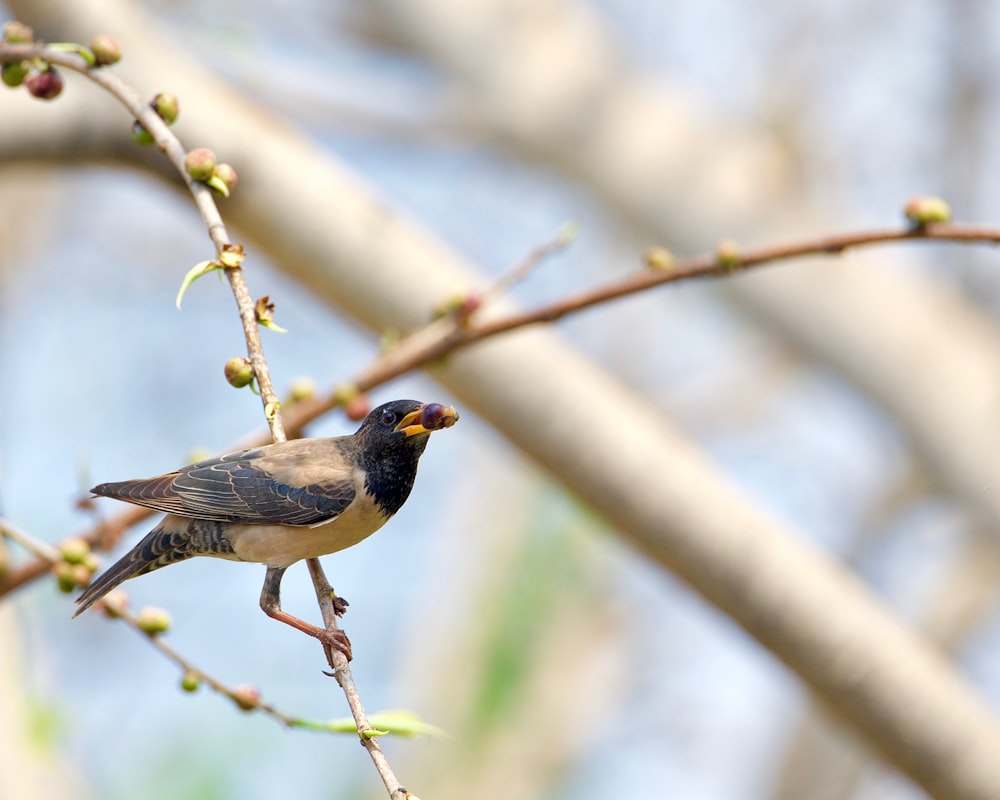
529,262
245,703
204,200
342,673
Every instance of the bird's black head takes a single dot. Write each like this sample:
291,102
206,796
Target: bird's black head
391,440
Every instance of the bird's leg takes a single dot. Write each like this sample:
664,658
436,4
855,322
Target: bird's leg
270,603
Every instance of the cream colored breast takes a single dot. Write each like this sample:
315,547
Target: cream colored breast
283,545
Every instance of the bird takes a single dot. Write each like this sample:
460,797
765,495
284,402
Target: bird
280,503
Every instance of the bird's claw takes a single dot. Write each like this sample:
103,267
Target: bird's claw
336,639
339,605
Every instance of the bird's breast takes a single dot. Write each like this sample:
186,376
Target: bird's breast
283,545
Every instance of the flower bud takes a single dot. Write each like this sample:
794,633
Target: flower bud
923,210
200,163
301,389
239,372
358,407
81,575
15,32
727,255
65,578
45,84
226,174
658,257
247,697
105,49
167,107
190,682
14,73
153,620
141,136
74,550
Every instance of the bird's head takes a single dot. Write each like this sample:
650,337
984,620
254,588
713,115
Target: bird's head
405,424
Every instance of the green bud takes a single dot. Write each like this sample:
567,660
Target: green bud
166,106
153,620
15,32
141,136
105,49
14,73
343,392
727,255
200,163
239,372
74,550
923,210
658,257
65,578
301,389
190,682
226,175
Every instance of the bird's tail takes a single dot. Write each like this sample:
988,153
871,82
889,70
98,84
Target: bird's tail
166,544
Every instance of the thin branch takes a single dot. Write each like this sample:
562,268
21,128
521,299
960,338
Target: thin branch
204,200
702,266
342,673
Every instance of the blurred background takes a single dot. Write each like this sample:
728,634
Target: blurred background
495,605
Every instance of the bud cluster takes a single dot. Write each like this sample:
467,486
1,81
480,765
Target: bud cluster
77,565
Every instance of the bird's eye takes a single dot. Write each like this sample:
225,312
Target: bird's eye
389,417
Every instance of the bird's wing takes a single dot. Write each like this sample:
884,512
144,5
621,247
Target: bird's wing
305,482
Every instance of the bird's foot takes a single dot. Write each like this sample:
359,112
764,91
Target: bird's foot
339,605
336,639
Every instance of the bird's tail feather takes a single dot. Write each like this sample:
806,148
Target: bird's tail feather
160,547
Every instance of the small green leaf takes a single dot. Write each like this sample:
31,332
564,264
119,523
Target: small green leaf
403,723
199,269
73,47
219,185
342,725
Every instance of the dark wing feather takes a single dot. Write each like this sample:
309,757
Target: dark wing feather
251,486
